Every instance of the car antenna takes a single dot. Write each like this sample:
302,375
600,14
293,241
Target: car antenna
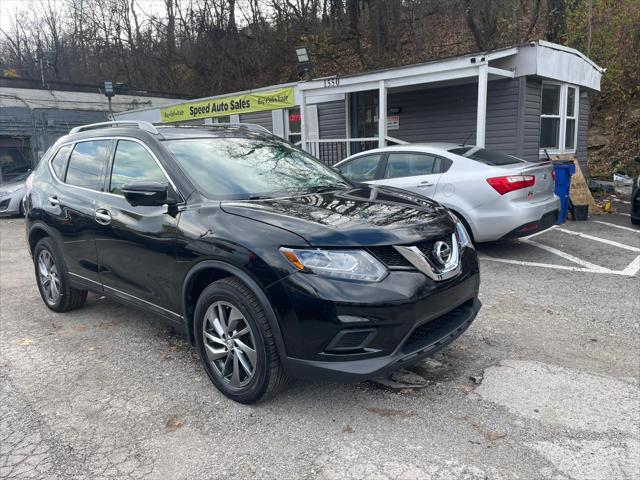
466,139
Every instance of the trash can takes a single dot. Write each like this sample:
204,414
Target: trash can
563,171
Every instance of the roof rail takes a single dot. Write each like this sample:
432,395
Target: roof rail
253,127
142,125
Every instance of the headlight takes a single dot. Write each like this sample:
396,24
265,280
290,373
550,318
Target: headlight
464,239
346,264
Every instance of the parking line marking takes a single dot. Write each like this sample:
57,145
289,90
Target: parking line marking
626,202
538,264
635,230
630,271
632,268
567,256
540,232
601,240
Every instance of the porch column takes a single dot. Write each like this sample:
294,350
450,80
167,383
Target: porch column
303,121
481,121
382,114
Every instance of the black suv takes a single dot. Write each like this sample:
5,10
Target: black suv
273,264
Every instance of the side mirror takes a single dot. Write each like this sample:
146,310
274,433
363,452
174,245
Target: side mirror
147,194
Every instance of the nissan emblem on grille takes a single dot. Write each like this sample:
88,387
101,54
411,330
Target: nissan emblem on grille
440,262
442,252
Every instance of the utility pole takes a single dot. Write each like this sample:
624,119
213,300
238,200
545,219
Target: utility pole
589,39
41,70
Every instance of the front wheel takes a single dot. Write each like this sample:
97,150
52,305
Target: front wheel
53,283
235,342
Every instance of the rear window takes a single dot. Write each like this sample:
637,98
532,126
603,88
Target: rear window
59,162
86,164
488,157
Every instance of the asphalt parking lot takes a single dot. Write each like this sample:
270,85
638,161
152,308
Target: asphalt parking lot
544,385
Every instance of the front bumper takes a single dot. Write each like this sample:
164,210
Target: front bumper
353,331
421,342
10,204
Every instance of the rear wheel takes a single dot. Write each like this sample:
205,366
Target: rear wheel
235,342
52,279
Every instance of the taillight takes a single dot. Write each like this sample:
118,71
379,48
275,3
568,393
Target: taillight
553,175
508,184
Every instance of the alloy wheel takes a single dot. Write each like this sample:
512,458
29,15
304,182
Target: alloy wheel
49,277
229,344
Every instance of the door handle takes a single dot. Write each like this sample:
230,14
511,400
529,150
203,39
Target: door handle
53,200
425,184
102,216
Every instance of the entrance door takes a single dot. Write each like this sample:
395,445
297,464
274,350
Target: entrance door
364,119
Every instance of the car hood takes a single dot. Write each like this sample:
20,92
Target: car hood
361,216
11,185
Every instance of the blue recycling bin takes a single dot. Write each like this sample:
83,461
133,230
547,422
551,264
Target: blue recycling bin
563,171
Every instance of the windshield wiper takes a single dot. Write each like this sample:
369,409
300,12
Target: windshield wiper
258,197
328,188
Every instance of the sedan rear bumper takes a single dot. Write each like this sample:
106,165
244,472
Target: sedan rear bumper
547,220
505,219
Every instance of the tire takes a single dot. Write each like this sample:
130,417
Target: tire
259,374
67,298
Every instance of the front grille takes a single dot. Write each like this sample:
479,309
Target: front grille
393,259
427,248
435,330
389,256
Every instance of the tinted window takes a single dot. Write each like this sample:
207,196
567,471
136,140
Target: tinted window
406,164
485,156
244,168
132,162
59,162
361,169
86,163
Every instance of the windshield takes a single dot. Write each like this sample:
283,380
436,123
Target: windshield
488,157
248,168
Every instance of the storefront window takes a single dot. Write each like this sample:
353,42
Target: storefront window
295,124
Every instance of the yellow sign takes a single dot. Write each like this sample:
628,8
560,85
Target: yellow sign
220,107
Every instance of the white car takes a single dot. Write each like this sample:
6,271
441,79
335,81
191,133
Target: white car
495,195
11,194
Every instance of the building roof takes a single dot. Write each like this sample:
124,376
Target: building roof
63,86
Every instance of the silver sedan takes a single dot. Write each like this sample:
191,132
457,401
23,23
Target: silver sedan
11,195
495,195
